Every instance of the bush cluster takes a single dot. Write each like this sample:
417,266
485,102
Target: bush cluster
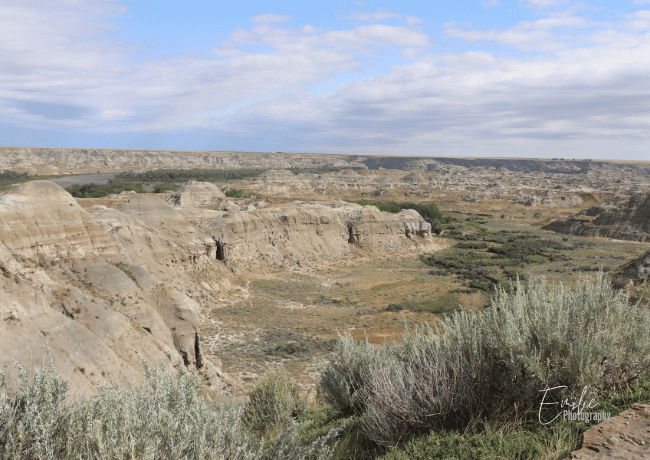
114,186
165,418
485,265
490,364
273,403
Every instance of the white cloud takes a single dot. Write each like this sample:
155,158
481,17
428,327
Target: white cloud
593,86
640,20
528,36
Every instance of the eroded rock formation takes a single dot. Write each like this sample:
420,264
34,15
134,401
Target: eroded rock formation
196,194
308,233
71,287
102,288
634,272
620,220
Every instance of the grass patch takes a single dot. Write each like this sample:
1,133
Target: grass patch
444,304
302,348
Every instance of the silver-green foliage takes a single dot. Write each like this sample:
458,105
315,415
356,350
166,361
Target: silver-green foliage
531,338
164,418
350,369
273,401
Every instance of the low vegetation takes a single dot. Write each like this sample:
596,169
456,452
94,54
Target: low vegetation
489,367
484,259
273,404
164,418
468,389
114,186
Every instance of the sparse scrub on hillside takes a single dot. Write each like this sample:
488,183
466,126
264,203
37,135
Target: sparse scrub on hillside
164,418
235,193
492,365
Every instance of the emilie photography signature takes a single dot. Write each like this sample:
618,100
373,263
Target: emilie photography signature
575,410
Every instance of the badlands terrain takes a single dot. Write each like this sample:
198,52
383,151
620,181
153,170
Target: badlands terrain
268,276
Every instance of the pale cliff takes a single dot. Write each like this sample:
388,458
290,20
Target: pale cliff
72,287
299,234
103,288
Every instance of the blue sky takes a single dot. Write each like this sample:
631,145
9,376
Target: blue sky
517,78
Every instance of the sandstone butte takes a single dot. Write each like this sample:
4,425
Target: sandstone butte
99,289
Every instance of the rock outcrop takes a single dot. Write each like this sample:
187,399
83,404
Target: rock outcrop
620,220
196,194
91,290
634,272
95,287
40,219
555,200
299,234
623,437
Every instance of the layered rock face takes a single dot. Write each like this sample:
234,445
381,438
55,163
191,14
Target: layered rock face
620,220
96,287
91,291
91,160
39,218
568,200
301,234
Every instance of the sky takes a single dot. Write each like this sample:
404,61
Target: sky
491,78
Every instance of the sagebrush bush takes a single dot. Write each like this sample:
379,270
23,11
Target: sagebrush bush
164,418
489,364
349,370
273,403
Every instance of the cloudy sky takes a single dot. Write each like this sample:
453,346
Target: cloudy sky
519,78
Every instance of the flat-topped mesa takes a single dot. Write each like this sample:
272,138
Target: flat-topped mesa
300,234
39,218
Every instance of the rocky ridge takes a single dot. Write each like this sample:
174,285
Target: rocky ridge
92,287
624,220
92,160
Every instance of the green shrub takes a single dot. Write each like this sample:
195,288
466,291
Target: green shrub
350,369
161,187
165,418
490,364
273,403
234,193
114,186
